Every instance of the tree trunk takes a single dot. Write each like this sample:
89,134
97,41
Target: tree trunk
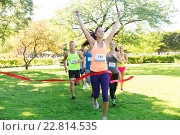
27,66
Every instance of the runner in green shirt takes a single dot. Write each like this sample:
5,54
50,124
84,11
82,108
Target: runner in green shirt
74,59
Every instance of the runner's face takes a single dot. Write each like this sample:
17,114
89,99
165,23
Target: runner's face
121,49
100,32
112,46
72,45
83,48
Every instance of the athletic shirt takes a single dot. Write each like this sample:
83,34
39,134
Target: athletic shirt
112,64
88,59
98,62
71,58
121,65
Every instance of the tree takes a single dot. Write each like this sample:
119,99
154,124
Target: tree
14,15
141,13
171,41
35,39
139,43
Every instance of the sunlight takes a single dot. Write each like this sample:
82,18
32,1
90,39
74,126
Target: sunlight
61,95
5,101
34,89
43,91
22,83
66,84
167,111
2,107
42,85
27,114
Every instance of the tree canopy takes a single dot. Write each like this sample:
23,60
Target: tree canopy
35,39
14,15
141,13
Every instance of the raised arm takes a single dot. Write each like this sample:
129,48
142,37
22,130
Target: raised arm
111,35
86,33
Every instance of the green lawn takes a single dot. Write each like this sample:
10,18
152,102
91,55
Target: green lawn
153,94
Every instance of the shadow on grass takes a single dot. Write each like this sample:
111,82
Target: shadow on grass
155,69
21,100
134,106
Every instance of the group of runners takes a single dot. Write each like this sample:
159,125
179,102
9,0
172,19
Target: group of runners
97,59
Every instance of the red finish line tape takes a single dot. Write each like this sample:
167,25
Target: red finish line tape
88,74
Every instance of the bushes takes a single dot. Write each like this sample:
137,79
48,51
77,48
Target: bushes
11,62
35,62
153,59
57,61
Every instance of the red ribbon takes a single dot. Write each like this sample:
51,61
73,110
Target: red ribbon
91,74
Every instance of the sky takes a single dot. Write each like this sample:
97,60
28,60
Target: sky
46,9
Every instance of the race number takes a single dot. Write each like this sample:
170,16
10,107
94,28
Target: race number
112,64
100,57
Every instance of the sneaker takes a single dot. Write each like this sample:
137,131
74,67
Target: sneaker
104,118
95,104
114,103
87,86
84,87
122,89
73,98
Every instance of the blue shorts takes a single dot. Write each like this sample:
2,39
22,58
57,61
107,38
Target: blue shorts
82,72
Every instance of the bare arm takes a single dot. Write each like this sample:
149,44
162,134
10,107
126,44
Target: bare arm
126,58
81,57
65,61
118,58
111,35
86,33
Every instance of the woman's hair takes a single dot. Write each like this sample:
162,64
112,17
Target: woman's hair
71,42
93,34
121,46
97,29
112,42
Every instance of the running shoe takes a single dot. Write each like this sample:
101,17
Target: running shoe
87,86
73,98
114,103
122,89
104,118
95,104
84,87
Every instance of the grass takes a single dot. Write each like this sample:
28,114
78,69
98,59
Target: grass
153,94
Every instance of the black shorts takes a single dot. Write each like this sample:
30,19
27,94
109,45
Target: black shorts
74,74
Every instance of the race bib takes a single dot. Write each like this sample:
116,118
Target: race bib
100,57
72,61
89,59
111,64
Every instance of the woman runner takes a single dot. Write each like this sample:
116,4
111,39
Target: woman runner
121,67
98,49
113,58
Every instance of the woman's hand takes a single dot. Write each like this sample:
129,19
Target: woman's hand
77,12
